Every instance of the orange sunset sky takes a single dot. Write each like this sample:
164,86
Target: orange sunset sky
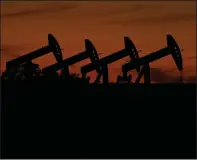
25,26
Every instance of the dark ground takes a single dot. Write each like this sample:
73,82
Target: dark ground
52,120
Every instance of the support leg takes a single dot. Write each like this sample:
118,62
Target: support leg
139,76
147,73
105,75
98,76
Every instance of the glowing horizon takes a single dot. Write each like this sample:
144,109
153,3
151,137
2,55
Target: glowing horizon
25,26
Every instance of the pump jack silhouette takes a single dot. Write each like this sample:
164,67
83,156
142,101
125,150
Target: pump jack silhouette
172,49
90,52
53,46
25,62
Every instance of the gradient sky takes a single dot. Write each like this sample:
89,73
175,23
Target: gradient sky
25,26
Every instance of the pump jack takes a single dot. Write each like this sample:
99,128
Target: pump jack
90,52
25,61
172,48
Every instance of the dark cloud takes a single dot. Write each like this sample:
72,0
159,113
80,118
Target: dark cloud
192,57
161,76
158,75
131,8
191,79
39,11
169,18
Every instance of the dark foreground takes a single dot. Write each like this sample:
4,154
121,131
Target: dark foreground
115,121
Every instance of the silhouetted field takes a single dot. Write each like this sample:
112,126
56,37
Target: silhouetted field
48,119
